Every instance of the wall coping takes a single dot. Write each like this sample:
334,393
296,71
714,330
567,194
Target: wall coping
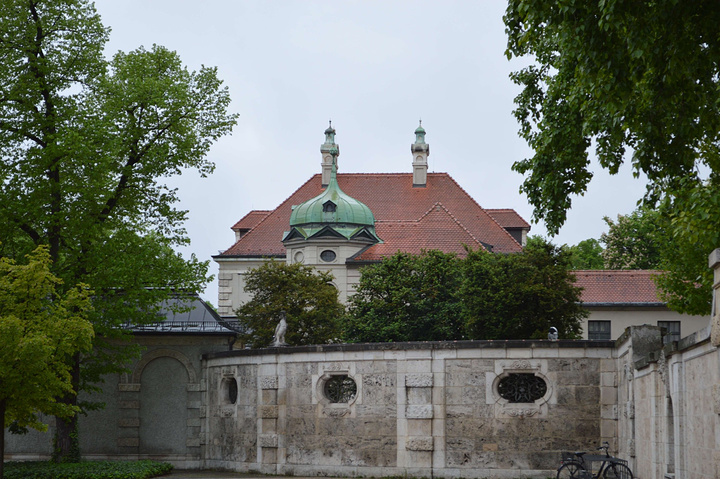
418,345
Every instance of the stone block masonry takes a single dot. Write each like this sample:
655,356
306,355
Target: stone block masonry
436,409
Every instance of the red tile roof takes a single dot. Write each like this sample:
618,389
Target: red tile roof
393,200
436,229
251,220
618,286
508,218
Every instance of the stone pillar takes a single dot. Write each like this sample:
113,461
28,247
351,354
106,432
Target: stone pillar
268,421
714,264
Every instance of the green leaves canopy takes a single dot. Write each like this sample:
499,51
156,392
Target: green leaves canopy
407,298
636,78
307,296
85,145
41,331
437,296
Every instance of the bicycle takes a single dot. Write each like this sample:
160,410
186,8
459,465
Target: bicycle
573,466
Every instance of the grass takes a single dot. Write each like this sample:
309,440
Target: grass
86,470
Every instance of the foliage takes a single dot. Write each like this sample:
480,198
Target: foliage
437,296
307,296
85,143
520,296
693,216
587,254
634,241
407,298
635,78
638,80
40,330
87,470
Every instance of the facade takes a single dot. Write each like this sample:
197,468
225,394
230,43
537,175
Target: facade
375,215
618,299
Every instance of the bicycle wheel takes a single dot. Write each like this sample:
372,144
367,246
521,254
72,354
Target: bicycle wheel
570,470
617,471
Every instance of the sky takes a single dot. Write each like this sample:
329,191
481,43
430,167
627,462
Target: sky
375,68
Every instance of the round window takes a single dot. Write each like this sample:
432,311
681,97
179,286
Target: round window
328,255
299,257
522,388
230,390
340,389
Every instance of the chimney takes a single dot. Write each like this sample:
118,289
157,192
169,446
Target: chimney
327,157
420,151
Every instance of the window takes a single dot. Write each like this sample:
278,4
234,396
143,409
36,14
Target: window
328,255
522,388
340,389
673,330
599,330
230,390
329,207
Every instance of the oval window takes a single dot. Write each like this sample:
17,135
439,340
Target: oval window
328,255
522,388
340,389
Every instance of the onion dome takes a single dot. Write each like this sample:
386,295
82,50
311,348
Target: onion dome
332,213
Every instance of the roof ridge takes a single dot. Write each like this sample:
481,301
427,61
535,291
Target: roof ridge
452,216
485,211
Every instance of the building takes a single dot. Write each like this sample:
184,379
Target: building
618,299
339,222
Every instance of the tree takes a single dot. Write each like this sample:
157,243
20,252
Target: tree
638,80
84,145
587,254
521,295
407,297
437,296
307,297
40,330
635,241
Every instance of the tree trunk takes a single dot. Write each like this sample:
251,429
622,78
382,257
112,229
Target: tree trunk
67,441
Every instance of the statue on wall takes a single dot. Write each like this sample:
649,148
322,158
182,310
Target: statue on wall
280,330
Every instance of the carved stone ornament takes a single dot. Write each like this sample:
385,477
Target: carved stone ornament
337,412
521,364
526,412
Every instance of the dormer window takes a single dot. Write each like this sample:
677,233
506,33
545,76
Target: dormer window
329,207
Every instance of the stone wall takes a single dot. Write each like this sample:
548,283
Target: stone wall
154,411
670,402
420,409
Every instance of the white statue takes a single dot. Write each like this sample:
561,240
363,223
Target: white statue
553,334
280,330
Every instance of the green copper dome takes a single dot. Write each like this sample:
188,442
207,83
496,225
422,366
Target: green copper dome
332,213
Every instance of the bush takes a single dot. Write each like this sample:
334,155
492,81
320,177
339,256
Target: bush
86,470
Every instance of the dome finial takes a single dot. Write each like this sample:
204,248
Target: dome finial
420,134
330,134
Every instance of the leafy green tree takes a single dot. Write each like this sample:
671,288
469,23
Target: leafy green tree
307,297
635,78
587,254
521,295
634,241
640,81
85,144
40,330
407,297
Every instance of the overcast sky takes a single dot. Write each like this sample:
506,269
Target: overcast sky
373,67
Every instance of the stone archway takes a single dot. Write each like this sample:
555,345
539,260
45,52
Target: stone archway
163,380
